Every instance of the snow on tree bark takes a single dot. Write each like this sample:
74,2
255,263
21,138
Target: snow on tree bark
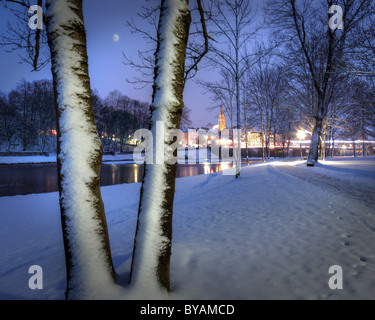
86,241
153,240
314,145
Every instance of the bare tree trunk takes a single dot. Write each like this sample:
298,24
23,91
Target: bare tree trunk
246,146
333,142
263,135
329,130
153,240
9,143
245,120
87,249
364,148
238,150
314,146
274,144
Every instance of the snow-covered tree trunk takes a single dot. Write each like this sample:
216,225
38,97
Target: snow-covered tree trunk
153,240
86,241
314,145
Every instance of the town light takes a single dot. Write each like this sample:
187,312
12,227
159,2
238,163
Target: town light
301,136
343,148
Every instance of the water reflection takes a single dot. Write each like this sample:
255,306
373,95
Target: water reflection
120,173
130,173
206,168
35,178
136,169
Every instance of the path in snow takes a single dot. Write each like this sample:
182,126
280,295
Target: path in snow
352,189
271,235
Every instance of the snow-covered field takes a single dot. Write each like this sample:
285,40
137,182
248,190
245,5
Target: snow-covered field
271,234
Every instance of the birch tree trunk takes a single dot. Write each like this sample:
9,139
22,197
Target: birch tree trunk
87,249
153,239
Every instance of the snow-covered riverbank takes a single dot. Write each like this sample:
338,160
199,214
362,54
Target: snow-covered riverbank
52,158
271,234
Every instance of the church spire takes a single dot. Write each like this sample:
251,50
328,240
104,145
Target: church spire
221,118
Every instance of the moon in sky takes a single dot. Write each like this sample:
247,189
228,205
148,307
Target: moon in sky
115,37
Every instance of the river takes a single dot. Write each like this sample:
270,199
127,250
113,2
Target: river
22,179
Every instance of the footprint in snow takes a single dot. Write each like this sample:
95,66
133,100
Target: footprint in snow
344,235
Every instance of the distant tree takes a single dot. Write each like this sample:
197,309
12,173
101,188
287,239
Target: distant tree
234,23
185,117
33,113
358,121
97,105
42,100
31,44
286,120
119,116
223,92
22,100
9,121
311,44
360,53
265,87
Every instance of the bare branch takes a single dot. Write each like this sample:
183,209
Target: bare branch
19,36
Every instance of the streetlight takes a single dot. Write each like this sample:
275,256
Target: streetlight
343,150
301,136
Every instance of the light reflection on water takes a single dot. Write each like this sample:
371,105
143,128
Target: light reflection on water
42,178
130,173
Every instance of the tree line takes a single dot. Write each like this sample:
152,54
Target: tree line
286,67
28,117
289,67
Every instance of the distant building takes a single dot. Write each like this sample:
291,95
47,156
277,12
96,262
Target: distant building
221,118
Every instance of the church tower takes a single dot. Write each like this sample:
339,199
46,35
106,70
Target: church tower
221,118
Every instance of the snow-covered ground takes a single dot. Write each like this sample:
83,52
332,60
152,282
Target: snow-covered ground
52,158
271,234
191,153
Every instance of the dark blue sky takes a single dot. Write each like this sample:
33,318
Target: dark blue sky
103,19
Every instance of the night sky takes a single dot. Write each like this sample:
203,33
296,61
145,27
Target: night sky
103,20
